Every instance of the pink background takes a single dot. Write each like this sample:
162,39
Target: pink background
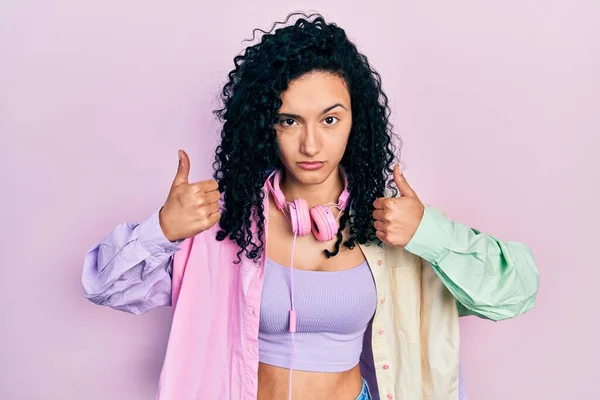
498,104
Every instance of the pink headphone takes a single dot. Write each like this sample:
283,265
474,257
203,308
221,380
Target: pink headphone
319,219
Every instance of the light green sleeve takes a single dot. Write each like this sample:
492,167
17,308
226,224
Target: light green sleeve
490,278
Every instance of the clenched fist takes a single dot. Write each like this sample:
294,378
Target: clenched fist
190,208
397,219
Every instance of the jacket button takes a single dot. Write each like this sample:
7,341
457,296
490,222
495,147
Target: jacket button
389,396
379,262
382,300
380,331
386,367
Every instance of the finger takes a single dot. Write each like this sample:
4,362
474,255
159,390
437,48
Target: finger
211,208
402,184
207,186
212,197
378,204
379,226
214,218
380,235
183,170
384,203
211,185
379,215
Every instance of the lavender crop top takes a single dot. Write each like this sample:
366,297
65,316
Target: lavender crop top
333,311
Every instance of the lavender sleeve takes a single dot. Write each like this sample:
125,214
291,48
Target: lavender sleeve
130,269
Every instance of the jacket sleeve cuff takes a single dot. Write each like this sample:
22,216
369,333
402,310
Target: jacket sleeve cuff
152,237
433,236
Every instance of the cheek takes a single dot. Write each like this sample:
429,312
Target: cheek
340,140
285,146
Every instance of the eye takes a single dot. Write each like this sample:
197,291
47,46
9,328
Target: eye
330,120
287,122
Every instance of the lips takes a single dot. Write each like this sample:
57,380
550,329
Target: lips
311,165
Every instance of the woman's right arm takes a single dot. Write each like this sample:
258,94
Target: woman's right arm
130,270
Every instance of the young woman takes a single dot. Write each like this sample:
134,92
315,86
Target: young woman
308,268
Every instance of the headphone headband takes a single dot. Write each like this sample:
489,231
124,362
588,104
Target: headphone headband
280,198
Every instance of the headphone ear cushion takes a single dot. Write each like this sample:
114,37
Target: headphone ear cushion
324,224
300,217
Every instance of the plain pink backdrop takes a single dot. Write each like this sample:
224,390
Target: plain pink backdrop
498,104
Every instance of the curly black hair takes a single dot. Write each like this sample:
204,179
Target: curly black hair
251,101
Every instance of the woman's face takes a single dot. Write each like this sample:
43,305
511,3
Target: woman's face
314,126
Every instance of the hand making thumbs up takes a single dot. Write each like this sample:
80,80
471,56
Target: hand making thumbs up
190,208
397,219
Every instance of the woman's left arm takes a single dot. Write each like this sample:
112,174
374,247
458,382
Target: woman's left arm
490,278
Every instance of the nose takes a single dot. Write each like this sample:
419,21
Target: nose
310,144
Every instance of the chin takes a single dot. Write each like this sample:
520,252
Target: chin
314,177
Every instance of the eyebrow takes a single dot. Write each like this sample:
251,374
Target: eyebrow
325,111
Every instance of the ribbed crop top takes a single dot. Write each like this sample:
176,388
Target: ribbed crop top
333,311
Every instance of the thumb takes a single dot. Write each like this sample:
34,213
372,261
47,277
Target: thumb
183,170
402,184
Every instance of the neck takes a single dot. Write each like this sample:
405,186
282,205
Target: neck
326,192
